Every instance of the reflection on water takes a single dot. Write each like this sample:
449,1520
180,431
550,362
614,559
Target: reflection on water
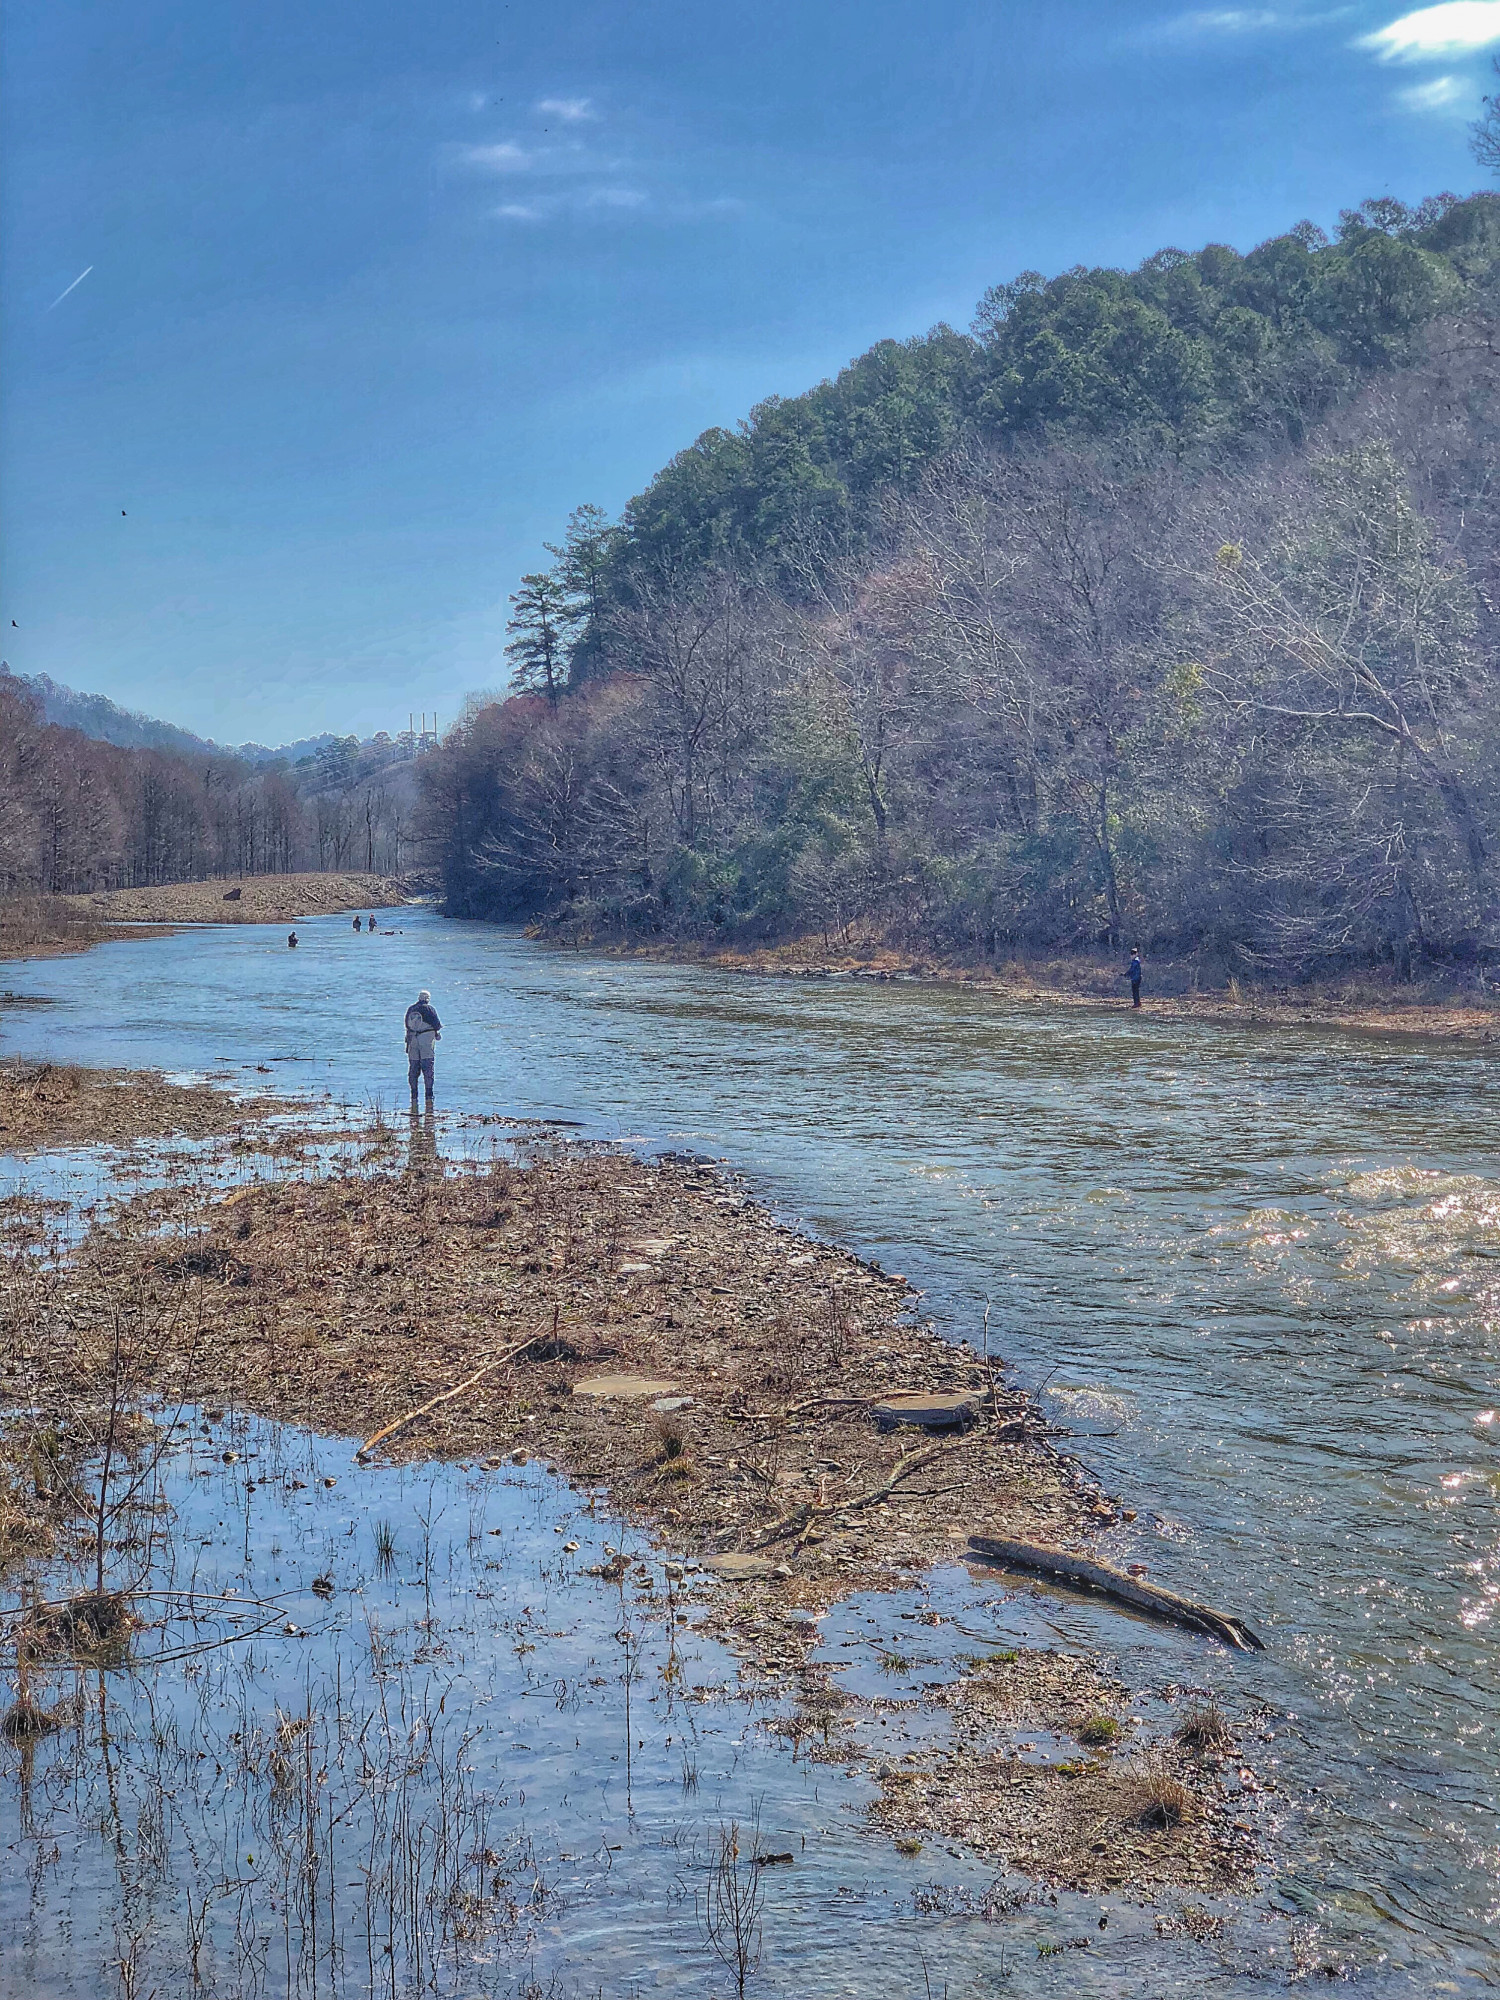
386,1735
1261,1268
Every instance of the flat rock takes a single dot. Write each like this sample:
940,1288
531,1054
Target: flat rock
669,1405
623,1388
934,1410
650,1246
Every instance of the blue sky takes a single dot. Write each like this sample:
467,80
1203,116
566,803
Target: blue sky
376,293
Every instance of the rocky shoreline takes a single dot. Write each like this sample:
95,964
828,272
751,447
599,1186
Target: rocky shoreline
1373,1006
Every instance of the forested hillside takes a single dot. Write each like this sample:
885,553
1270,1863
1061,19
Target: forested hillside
79,814
1159,608
97,716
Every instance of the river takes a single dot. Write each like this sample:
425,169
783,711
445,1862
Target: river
1256,1271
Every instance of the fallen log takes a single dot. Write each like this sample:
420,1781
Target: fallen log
458,1389
1110,1582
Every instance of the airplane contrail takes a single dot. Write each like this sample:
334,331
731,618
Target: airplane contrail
71,288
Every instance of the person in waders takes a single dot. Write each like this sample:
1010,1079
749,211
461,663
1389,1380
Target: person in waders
358,925
1135,978
291,938
422,1031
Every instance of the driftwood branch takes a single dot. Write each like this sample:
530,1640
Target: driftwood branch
1110,1582
458,1389
798,1410
801,1518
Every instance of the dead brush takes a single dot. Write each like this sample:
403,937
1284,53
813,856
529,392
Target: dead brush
670,1435
289,1730
1204,1731
1152,1797
790,1365
93,1628
25,1721
836,1326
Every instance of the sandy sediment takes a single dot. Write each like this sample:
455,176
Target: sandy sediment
45,1105
251,899
723,1382
53,926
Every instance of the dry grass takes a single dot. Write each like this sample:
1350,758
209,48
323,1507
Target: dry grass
50,927
93,1628
262,899
44,1105
1151,1796
1203,1731
26,1721
669,1433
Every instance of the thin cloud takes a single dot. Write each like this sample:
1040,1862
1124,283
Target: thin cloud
517,211
615,197
1454,28
1442,94
1225,21
572,110
1204,24
504,158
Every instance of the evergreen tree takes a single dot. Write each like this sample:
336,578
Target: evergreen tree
583,568
541,622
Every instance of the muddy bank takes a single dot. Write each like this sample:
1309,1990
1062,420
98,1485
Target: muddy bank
46,1105
1369,1002
731,1387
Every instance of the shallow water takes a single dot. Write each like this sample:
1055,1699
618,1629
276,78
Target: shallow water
1257,1270
443,1729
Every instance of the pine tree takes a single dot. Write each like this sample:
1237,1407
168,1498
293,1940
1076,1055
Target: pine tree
541,623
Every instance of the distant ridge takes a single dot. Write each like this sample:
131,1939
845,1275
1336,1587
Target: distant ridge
96,716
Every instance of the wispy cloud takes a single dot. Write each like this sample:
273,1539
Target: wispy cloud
583,201
1206,24
504,158
1222,21
1443,93
579,175
1454,28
